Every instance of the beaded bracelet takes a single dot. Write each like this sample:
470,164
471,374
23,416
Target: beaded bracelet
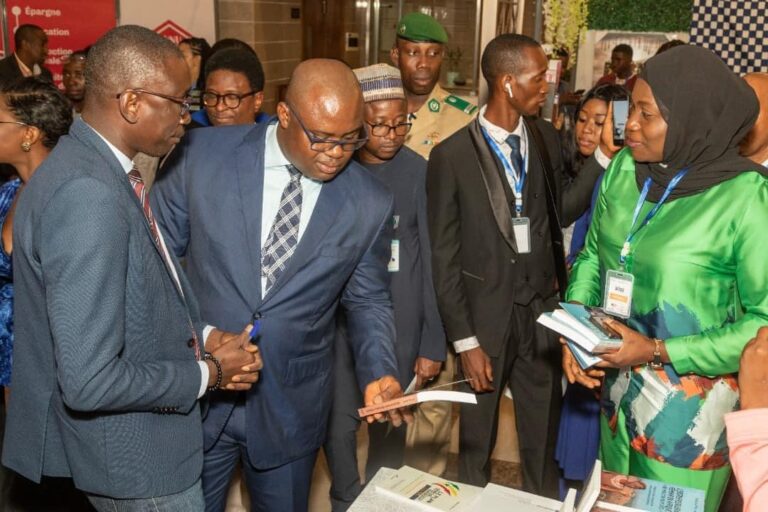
219,373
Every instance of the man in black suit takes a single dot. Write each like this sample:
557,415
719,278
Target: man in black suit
31,45
497,196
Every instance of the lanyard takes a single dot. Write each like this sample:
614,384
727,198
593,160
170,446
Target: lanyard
640,200
518,181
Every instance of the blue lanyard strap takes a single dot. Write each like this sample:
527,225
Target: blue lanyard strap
518,181
640,200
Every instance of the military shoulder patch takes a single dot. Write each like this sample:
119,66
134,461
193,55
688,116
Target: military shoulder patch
433,105
463,105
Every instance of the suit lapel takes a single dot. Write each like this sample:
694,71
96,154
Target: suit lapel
250,181
492,178
329,204
87,135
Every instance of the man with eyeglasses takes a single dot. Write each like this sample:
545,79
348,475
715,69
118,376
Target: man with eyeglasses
420,344
279,227
234,88
111,355
434,112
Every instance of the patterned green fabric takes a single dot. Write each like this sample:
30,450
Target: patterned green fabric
700,285
617,456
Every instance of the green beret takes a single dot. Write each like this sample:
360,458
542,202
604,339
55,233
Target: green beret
421,28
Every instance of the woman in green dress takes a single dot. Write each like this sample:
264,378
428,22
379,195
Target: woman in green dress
677,238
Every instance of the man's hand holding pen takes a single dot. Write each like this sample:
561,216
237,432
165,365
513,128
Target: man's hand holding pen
233,361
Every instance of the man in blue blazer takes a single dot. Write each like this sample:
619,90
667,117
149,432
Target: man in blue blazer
277,225
107,363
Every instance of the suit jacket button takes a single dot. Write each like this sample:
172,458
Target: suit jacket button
512,260
191,342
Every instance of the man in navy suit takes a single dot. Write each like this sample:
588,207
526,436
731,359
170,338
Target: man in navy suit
278,225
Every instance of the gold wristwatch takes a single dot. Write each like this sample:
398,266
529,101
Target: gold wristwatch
656,363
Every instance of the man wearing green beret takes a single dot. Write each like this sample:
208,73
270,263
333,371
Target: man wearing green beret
435,114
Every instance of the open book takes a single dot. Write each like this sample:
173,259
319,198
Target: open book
417,398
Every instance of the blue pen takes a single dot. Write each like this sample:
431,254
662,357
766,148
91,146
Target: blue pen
256,329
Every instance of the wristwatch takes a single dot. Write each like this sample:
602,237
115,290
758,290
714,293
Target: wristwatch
656,363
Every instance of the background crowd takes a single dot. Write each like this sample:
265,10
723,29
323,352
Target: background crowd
189,285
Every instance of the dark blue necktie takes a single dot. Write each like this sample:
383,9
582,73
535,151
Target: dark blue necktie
514,155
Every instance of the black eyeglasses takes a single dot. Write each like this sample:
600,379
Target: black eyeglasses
185,103
325,145
383,130
231,100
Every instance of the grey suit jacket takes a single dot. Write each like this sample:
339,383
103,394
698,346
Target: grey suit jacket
104,374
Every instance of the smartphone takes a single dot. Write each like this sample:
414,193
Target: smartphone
598,317
620,114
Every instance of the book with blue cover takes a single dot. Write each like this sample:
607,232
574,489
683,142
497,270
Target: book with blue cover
591,323
622,493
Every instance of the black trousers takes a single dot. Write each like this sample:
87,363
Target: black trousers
530,365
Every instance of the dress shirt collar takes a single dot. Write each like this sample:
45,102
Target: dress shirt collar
273,155
125,162
497,133
25,70
765,164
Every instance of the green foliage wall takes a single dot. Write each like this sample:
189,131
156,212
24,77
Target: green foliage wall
640,15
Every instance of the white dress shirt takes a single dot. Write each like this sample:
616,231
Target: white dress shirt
499,136
276,177
127,164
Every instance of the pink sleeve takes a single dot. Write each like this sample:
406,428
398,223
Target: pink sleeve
748,443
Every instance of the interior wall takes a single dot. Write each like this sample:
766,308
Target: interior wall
270,28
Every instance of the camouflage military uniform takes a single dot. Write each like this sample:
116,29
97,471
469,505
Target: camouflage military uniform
439,117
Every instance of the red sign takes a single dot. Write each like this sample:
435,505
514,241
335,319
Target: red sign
172,31
70,25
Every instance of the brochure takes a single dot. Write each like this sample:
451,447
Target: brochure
426,491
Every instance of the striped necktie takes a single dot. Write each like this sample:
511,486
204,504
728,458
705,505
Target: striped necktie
284,235
143,194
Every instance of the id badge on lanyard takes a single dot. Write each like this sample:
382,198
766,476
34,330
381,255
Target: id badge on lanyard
394,258
619,285
617,299
521,226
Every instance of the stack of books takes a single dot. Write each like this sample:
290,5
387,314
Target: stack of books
585,331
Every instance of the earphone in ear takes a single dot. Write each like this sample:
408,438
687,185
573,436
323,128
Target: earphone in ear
509,89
